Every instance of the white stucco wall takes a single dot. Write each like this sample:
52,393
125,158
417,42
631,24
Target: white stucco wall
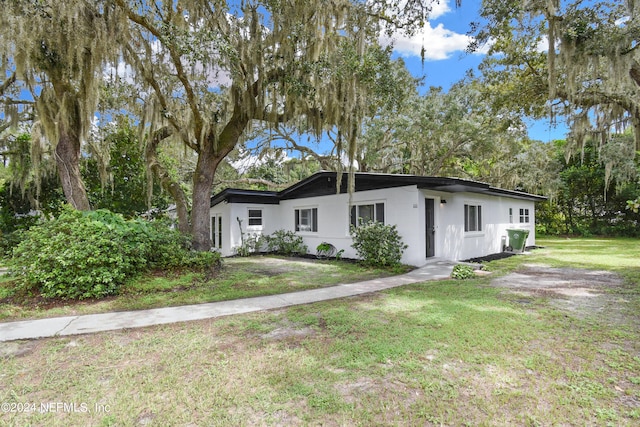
401,208
404,207
230,212
456,244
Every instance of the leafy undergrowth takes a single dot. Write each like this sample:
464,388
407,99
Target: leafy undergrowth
239,278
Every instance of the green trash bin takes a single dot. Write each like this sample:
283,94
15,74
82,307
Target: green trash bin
517,239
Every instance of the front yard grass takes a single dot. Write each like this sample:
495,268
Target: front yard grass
239,278
435,353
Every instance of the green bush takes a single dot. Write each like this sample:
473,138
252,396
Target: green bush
285,243
91,254
250,244
8,241
378,244
462,272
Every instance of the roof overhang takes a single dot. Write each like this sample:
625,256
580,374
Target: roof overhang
325,183
232,195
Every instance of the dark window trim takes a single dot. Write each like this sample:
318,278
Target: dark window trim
254,220
472,218
314,219
377,208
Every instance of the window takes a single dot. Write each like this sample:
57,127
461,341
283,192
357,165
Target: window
472,218
307,219
524,215
366,213
216,231
255,217
510,215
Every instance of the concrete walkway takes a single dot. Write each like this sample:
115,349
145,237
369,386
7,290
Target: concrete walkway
91,323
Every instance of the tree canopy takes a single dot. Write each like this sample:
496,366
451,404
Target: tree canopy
571,58
203,74
211,70
199,79
57,51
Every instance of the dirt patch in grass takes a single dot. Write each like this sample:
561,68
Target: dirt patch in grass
272,266
390,389
16,348
581,292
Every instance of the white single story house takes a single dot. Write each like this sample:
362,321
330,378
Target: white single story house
448,218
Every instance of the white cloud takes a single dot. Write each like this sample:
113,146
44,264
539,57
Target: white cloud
438,9
623,20
121,70
439,43
543,44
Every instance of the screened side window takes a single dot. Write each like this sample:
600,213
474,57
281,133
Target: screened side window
510,215
306,219
524,215
472,218
255,217
366,213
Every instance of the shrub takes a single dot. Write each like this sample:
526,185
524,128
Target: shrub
285,243
8,241
462,272
378,244
249,245
91,254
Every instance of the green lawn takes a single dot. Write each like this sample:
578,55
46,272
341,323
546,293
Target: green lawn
437,353
617,255
239,278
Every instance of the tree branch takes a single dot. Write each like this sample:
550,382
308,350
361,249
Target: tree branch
7,83
171,186
634,72
151,80
250,181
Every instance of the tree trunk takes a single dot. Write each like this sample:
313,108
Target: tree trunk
68,161
208,161
209,157
634,72
169,185
200,211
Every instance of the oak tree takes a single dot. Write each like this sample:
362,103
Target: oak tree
215,68
58,50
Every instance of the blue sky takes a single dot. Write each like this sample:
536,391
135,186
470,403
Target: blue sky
445,40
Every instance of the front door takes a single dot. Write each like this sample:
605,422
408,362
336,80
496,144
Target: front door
430,227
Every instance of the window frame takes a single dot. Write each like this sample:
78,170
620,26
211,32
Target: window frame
473,217
216,231
378,209
254,218
312,219
525,218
